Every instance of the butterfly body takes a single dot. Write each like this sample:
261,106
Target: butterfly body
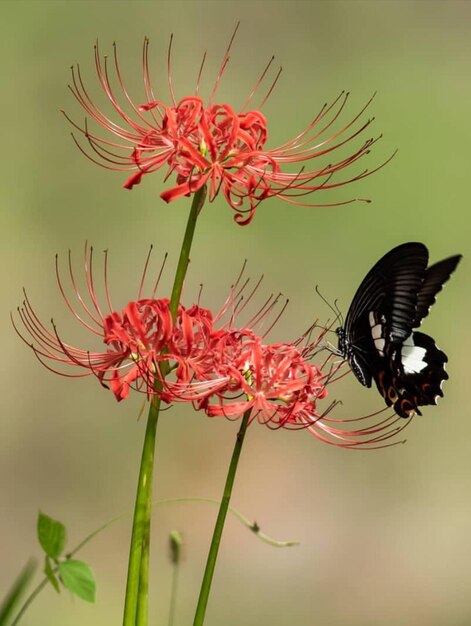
378,338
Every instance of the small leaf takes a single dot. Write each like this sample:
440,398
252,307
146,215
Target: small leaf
49,572
78,578
52,535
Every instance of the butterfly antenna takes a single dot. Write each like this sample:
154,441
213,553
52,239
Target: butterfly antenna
334,309
339,313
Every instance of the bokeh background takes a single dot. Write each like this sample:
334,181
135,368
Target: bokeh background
385,535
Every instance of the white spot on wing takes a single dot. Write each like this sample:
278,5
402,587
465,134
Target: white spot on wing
377,331
412,358
379,343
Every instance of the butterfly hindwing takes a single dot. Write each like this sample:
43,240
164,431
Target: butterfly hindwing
413,376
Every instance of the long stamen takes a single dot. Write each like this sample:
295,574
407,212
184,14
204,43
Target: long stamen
144,272
105,279
200,73
270,91
223,66
257,85
159,276
169,72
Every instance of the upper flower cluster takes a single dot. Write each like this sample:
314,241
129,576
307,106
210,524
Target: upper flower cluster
201,358
212,144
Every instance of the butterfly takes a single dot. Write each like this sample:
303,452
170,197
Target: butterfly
378,338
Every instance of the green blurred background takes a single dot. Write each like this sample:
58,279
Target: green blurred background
385,536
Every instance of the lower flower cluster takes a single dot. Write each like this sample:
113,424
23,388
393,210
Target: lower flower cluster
202,358
242,373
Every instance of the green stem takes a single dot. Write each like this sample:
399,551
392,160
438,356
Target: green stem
137,586
143,594
13,596
141,521
218,528
196,206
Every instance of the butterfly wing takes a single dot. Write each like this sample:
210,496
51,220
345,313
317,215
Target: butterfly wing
416,370
435,277
414,375
377,338
384,308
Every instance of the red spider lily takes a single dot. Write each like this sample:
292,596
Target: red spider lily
212,144
137,338
134,337
222,369
273,381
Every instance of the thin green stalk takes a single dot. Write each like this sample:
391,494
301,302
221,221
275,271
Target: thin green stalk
173,595
218,528
137,586
252,526
175,545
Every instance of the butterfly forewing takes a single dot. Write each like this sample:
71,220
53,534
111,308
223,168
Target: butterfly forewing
435,277
390,288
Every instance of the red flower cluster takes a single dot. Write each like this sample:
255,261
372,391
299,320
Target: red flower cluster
275,382
200,358
211,144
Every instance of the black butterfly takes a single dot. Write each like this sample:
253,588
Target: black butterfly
377,338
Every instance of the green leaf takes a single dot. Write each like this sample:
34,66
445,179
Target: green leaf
49,572
78,578
52,536
10,602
